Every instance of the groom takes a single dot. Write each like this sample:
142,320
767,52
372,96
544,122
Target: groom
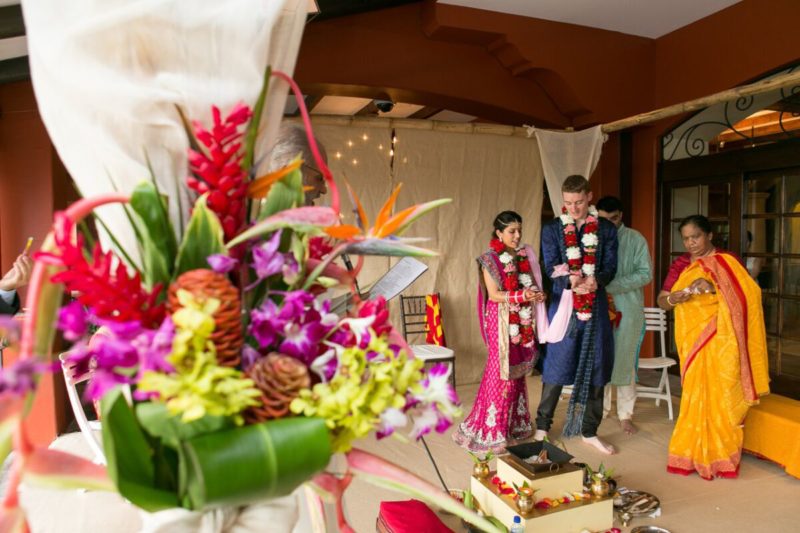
579,250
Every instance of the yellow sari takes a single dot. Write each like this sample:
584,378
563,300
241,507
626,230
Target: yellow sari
724,368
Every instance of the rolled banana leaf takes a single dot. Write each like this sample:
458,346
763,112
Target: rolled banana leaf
251,463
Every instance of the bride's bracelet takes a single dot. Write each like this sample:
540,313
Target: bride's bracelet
670,301
515,297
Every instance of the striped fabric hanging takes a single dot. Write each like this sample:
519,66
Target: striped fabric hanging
434,332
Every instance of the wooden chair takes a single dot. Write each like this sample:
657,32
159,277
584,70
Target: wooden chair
655,320
413,315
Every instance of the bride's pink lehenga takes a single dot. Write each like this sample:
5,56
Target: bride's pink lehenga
500,414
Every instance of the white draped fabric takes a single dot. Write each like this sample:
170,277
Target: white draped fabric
484,174
565,153
109,73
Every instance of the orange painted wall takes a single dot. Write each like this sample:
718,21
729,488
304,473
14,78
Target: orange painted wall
27,162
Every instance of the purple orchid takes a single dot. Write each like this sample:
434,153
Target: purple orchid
302,340
222,263
119,352
391,419
266,324
249,356
73,321
295,304
20,378
437,403
326,365
153,347
103,380
267,260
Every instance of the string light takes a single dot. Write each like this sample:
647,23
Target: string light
350,144
391,153
338,155
380,147
365,137
355,161
394,139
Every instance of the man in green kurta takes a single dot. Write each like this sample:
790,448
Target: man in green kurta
634,271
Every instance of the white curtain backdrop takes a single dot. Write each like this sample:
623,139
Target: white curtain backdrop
109,73
484,173
565,153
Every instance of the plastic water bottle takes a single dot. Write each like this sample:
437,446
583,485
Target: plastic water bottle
517,527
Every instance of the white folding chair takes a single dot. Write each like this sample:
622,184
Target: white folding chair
656,321
88,428
413,313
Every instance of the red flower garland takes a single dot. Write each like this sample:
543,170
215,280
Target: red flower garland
512,283
584,263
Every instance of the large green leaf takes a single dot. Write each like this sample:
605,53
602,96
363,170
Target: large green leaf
284,194
249,463
388,246
156,419
129,456
203,237
157,235
418,211
308,219
255,122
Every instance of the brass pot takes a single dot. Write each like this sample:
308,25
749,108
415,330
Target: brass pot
600,488
525,500
480,470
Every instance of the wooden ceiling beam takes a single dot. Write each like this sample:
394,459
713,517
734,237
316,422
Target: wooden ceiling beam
15,69
11,22
312,100
426,112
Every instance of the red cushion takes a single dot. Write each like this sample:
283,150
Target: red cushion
410,516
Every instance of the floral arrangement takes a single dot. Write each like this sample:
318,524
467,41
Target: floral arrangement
513,491
518,277
219,339
581,264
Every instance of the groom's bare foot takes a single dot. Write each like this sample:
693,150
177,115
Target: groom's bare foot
627,426
540,435
599,445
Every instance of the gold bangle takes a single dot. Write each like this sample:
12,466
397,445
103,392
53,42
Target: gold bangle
670,301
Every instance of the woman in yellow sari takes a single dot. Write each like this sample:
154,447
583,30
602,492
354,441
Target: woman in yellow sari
719,332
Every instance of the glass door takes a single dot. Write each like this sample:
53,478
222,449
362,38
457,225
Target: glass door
771,251
713,198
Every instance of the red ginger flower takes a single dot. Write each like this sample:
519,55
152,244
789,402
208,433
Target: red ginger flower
319,247
219,172
103,284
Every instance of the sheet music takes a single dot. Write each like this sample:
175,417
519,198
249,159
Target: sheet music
395,281
399,277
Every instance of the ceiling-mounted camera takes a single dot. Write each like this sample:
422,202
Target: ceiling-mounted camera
384,106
